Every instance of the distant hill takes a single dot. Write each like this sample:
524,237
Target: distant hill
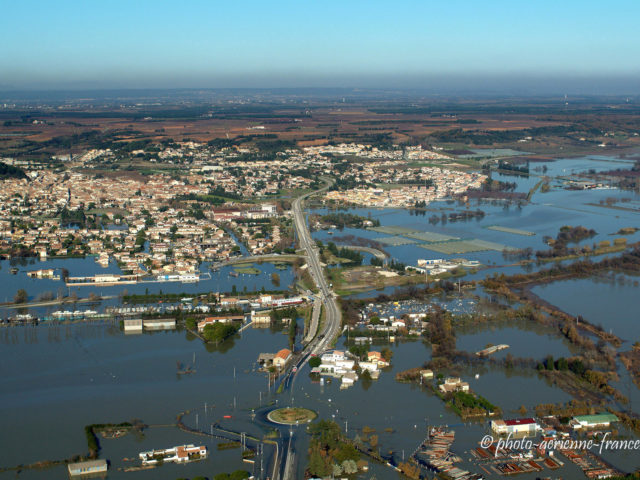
9,171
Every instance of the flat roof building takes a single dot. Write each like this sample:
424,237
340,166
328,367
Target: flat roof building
599,420
90,467
133,325
519,425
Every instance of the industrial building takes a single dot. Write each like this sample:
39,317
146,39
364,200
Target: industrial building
599,420
517,426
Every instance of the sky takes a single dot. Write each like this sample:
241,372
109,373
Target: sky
62,44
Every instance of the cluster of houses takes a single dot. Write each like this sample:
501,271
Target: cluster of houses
178,241
410,323
439,183
179,454
342,365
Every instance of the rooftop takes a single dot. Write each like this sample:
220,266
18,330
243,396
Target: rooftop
597,418
520,421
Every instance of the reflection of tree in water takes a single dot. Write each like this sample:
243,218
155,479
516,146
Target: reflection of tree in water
113,330
222,347
18,261
276,327
53,334
366,383
30,334
9,336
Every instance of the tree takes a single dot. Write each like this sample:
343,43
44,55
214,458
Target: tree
387,354
317,464
239,475
349,467
562,364
549,363
293,328
21,296
315,362
218,331
576,366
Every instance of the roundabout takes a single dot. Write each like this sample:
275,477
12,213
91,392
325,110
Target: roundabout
291,416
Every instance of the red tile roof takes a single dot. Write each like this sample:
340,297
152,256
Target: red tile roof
520,421
284,353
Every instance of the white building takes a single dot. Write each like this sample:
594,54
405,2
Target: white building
453,384
516,426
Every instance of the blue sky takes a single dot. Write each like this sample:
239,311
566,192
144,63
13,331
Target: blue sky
194,43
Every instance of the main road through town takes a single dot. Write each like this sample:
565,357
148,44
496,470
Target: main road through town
329,329
332,321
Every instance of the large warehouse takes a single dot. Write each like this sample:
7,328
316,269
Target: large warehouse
519,425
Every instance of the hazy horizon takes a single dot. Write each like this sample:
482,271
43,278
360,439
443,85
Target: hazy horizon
574,46
524,86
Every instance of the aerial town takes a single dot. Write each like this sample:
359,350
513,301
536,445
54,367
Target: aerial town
57,214
298,282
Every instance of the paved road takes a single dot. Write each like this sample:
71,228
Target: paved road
330,328
257,258
315,319
333,317
373,251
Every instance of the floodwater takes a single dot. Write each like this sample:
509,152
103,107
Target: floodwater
523,343
544,216
55,379
220,281
609,300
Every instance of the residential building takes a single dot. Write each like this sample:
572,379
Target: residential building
281,358
453,384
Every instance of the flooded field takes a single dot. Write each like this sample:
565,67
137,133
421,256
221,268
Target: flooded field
607,300
55,379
